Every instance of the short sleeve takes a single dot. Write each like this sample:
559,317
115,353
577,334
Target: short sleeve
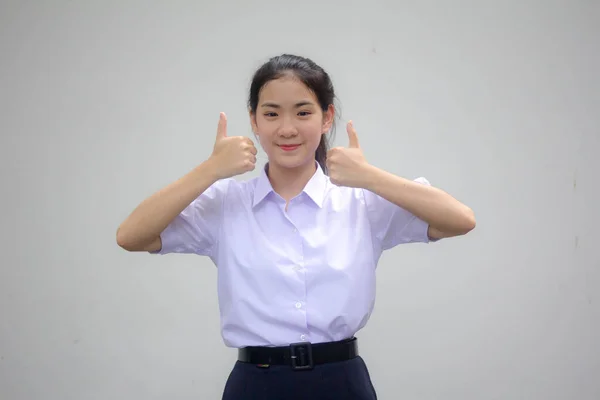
392,225
195,229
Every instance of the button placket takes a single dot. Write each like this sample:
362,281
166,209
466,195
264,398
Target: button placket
298,267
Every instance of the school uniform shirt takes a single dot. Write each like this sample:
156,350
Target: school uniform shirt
305,274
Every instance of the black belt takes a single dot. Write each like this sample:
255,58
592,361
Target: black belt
300,356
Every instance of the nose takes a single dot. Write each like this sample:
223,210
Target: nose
287,128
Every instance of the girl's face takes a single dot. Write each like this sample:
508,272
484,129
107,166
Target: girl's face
289,122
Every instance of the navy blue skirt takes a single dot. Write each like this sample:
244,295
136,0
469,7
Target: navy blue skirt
347,380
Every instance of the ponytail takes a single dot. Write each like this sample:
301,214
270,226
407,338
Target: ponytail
321,153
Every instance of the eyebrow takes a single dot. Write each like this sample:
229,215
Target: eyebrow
299,104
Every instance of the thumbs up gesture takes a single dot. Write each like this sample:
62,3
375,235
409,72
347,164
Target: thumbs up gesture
232,155
347,165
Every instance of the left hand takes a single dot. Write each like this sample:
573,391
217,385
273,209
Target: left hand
347,165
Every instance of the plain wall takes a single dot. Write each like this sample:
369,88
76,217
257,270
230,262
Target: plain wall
104,102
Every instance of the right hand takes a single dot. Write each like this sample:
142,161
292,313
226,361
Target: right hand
233,155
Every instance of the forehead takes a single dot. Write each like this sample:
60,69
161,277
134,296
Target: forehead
286,91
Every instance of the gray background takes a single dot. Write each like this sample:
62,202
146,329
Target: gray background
104,102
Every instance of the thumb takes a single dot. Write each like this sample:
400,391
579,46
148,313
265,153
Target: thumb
222,127
352,136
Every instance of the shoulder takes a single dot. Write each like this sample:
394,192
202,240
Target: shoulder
234,185
235,190
343,195
244,186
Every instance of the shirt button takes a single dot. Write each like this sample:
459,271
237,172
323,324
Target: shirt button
303,337
295,230
298,305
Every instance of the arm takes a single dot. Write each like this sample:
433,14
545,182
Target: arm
445,215
141,230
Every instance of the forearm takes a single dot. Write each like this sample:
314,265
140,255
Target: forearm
436,207
154,214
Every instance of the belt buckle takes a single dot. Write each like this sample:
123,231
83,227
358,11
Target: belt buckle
301,356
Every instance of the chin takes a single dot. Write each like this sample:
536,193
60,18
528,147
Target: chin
292,162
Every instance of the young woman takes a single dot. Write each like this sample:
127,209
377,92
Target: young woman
297,247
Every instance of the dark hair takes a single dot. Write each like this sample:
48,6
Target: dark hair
309,73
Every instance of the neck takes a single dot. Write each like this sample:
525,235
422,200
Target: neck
289,182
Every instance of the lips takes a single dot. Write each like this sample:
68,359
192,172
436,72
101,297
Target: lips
289,147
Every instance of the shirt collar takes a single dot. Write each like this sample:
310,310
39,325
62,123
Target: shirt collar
315,188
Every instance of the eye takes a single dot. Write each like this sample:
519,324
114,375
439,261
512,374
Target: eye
270,114
304,113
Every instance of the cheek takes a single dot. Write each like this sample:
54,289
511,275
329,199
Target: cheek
312,133
264,133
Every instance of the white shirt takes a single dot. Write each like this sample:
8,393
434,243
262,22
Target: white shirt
305,274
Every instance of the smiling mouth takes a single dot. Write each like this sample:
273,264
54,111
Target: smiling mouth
289,147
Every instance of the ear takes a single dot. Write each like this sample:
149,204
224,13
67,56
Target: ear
253,121
328,119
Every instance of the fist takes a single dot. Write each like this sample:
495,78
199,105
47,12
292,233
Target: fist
233,155
347,165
